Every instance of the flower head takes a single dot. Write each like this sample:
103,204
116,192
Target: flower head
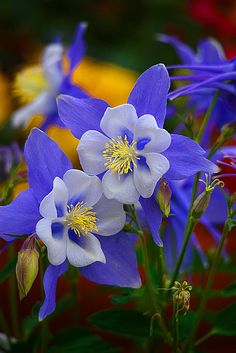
127,144
210,72
67,210
37,86
74,213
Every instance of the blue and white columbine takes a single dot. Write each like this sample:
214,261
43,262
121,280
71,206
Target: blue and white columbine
70,215
129,143
39,85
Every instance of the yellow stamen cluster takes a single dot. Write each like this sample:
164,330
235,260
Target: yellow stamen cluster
81,219
181,295
210,185
29,83
120,155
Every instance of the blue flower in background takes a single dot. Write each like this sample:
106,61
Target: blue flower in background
129,143
67,210
38,86
210,72
10,156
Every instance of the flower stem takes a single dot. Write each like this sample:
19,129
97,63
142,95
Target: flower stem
204,297
13,297
150,289
204,338
189,229
206,117
44,323
175,327
190,221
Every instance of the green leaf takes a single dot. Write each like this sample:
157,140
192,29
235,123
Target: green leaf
79,339
225,323
8,269
122,322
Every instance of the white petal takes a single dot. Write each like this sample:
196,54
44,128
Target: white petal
120,187
56,247
87,251
82,187
111,216
146,177
146,128
51,61
42,105
117,120
57,198
90,149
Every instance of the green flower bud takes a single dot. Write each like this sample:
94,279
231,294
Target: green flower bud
200,204
26,270
163,197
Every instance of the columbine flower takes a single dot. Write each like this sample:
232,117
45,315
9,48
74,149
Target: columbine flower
129,143
74,212
37,86
210,71
69,213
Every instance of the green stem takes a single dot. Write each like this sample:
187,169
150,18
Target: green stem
204,338
190,222
13,297
44,323
150,289
206,117
205,295
189,229
175,327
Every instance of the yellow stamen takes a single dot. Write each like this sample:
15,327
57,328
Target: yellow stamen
29,83
81,219
181,296
120,155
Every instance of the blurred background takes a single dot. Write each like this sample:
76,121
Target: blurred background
119,31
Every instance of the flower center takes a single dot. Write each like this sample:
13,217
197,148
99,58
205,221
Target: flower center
81,219
120,155
29,83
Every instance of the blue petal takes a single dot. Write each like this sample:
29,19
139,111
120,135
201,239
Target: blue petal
81,115
153,216
77,49
45,161
19,217
186,158
149,95
211,52
67,87
121,263
185,53
50,279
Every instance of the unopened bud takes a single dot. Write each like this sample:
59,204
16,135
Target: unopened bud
163,196
26,270
200,204
226,133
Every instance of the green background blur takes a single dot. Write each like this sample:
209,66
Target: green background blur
120,31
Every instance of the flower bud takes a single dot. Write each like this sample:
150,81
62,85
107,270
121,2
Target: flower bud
163,196
26,270
200,204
